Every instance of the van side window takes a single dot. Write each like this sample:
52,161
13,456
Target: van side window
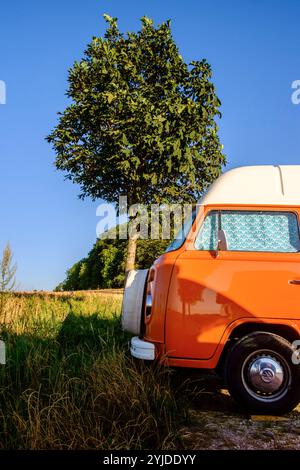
265,231
181,235
207,237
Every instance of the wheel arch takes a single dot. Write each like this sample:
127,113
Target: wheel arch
284,330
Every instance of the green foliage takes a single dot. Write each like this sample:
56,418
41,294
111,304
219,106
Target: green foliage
141,121
148,251
104,265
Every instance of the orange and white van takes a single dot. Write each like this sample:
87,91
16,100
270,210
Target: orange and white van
227,296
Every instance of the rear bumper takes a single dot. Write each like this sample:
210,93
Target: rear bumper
142,349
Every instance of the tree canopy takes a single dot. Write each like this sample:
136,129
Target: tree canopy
141,122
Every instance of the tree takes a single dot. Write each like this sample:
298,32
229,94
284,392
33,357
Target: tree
141,122
7,271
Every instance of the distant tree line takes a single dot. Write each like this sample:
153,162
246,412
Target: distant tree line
104,266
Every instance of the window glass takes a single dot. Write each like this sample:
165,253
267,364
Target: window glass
208,234
251,231
181,235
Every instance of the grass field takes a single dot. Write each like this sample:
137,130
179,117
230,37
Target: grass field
69,383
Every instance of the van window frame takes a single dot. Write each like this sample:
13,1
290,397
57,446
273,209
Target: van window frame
219,216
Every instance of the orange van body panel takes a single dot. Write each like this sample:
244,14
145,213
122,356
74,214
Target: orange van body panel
200,297
159,287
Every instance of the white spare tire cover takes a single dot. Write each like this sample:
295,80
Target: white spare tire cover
133,300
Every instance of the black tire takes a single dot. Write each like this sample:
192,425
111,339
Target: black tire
261,376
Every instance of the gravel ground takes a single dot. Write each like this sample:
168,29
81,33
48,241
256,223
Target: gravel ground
216,422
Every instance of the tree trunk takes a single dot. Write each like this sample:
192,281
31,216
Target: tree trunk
131,253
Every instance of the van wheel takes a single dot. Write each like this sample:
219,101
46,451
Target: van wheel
261,376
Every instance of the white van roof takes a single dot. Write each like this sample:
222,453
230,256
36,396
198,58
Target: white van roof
264,184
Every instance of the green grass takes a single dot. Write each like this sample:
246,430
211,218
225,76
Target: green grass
69,382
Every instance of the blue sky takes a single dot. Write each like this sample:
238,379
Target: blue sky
253,47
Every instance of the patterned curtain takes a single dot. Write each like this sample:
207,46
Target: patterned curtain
251,231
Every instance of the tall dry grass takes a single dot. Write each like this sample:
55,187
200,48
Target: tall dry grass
70,384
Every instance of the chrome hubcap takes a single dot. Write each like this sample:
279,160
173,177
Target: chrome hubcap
266,375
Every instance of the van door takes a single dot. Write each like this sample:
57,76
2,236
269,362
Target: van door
252,279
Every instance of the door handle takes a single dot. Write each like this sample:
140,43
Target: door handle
295,282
